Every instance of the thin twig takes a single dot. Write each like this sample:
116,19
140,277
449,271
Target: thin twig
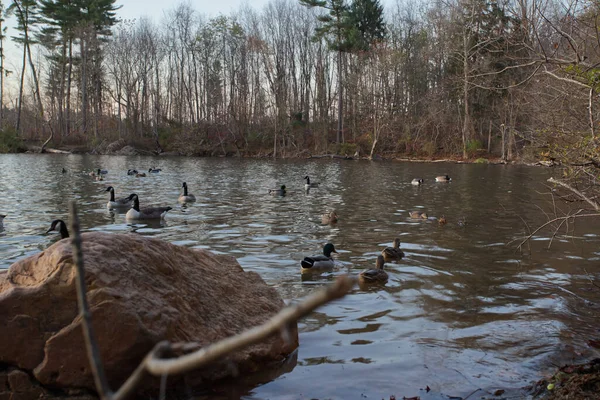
228,345
153,363
577,192
91,343
576,215
590,278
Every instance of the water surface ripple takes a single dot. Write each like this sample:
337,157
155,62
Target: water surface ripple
462,311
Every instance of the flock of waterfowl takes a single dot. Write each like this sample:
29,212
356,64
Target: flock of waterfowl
131,202
318,262
389,254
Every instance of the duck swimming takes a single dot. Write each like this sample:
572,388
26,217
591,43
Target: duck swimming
154,170
62,228
321,261
186,197
417,215
132,171
374,275
308,183
142,175
146,213
416,181
329,217
278,192
443,178
392,253
118,203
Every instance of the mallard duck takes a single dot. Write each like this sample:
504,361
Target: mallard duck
102,171
132,171
278,192
324,261
142,175
62,228
118,203
308,184
185,197
92,174
376,275
418,215
330,217
99,178
443,178
392,253
442,220
146,213
154,170
417,181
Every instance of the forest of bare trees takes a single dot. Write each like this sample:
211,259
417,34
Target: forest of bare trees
513,78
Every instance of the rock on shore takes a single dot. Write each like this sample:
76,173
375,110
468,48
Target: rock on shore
141,291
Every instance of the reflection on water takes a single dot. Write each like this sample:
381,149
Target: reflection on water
462,310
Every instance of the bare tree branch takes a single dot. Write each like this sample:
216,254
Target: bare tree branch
577,192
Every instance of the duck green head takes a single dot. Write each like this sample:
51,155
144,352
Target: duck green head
328,249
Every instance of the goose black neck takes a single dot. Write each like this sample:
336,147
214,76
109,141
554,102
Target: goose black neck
112,194
307,180
185,192
136,204
64,233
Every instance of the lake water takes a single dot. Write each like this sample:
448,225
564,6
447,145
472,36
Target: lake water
463,310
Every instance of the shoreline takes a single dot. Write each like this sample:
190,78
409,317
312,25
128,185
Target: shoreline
127,150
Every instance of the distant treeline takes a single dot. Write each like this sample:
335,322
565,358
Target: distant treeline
425,78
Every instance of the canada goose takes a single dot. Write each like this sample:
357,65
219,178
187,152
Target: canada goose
321,261
417,215
2,218
329,217
185,197
308,184
146,213
154,170
443,178
118,203
62,228
392,253
416,181
132,171
374,275
278,192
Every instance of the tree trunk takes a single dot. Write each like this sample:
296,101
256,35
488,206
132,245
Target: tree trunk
340,99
